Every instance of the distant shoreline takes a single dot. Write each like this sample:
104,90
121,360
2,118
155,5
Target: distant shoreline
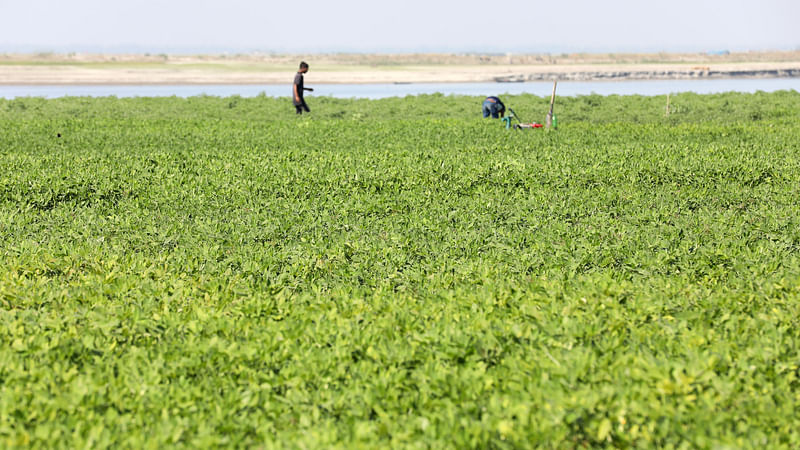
79,69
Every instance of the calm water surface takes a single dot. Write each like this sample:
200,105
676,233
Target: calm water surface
375,91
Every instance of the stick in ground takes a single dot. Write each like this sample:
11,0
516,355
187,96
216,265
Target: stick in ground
549,119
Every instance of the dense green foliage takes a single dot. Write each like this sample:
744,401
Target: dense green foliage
201,272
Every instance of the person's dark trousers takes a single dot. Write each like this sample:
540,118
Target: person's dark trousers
302,106
490,108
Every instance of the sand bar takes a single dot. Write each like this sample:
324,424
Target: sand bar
78,69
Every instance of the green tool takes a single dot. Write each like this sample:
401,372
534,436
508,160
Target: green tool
512,115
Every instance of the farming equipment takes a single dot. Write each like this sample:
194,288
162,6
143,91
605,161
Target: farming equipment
520,123
550,119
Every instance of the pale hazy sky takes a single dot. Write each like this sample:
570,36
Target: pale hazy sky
404,26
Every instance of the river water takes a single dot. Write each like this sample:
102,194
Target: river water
376,91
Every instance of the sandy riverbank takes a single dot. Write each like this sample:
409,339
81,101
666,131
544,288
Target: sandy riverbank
50,69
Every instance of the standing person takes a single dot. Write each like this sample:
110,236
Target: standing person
494,107
297,90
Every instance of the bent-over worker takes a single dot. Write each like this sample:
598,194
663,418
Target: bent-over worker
494,107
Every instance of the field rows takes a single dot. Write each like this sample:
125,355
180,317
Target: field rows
217,272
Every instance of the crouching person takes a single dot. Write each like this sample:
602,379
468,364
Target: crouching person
492,106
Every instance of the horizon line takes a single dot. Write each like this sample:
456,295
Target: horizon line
488,52
540,49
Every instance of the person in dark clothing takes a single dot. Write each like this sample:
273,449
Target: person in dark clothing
494,107
298,89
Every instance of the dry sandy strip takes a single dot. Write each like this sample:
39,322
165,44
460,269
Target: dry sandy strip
76,74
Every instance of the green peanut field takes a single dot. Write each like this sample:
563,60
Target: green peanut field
216,272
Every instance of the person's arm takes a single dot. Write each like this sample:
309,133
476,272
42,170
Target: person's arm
308,89
296,95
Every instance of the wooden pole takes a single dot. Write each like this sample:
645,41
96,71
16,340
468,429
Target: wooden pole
667,110
549,118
